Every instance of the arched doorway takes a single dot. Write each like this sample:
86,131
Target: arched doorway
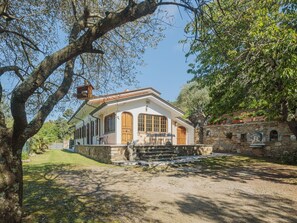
181,135
127,127
273,135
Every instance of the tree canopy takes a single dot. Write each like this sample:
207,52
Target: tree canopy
247,54
194,99
104,41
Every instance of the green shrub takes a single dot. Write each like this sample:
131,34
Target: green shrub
38,144
260,113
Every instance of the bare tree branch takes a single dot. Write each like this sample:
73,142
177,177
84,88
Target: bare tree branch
32,44
50,103
15,69
26,54
92,50
2,117
4,12
183,5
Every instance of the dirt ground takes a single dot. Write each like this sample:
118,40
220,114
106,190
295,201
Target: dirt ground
245,192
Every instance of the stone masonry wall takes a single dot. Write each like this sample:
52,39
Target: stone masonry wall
110,153
238,138
102,153
99,153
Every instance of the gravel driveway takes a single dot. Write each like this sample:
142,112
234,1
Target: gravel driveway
247,191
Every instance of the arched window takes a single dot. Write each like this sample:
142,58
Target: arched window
273,135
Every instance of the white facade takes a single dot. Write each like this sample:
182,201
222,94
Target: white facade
140,102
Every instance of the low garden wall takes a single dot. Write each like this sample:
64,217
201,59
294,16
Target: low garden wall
192,150
277,139
110,153
102,153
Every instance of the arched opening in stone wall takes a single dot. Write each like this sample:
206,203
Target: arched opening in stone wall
273,136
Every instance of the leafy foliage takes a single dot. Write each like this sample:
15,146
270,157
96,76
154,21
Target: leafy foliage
247,55
51,131
193,99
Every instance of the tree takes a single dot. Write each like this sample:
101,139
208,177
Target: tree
194,99
247,55
105,42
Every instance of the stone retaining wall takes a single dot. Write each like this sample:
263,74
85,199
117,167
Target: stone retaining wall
237,138
192,150
110,153
102,153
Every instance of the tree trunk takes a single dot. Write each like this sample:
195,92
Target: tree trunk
293,126
285,113
11,179
201,130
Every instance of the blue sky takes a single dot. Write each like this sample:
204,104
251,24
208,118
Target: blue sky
166,67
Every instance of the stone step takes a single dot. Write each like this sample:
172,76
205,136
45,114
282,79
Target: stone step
161,159
158,157
158,152
154,149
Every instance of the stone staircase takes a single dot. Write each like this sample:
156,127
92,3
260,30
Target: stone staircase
157,153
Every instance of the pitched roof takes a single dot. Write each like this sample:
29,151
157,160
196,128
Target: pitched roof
135,97
97,101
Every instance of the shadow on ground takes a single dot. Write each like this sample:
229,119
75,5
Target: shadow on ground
249,208
66,193
61,193
232,168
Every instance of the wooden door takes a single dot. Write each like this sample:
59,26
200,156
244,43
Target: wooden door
127,127
181,135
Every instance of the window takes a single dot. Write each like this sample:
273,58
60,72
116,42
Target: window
243,137
149,123
92,128
157,124
141,123
109,123
163,124
97,127
84,131
273,135
152,123
75,134
88,133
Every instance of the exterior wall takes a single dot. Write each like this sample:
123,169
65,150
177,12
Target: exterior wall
243,136
135,108
189,133
83,141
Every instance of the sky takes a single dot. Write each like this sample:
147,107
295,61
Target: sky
166,67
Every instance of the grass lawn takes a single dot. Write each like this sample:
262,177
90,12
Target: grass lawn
46,200
62,157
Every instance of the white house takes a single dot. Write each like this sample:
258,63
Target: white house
140,116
